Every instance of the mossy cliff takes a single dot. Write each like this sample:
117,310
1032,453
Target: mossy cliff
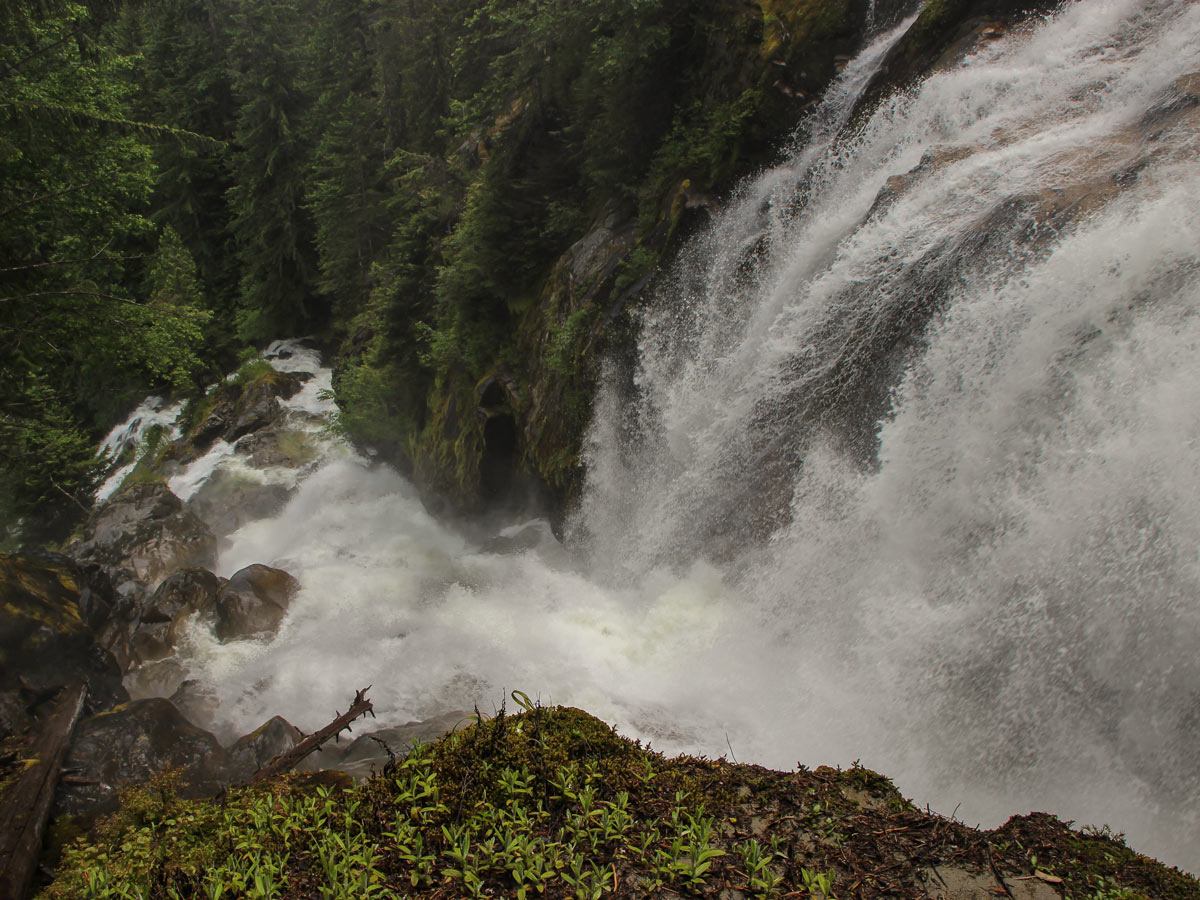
554,803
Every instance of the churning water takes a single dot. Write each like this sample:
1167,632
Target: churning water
908,470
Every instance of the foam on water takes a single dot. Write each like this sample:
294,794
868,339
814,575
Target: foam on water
131,435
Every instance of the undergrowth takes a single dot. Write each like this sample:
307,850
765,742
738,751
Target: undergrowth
554,803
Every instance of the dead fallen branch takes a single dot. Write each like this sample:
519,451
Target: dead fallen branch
284,762
25,805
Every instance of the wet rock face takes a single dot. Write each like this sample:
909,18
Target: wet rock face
44,640
144,534
228,500
259,404
271,447
254,601
160,625
237,410
128,745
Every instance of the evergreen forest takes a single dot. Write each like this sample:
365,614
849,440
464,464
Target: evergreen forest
182,181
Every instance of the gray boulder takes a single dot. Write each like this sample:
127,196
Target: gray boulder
141,535
229,499
251,752
130,744
163,616
253,602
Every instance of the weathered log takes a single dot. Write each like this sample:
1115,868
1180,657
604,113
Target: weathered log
25,805
287,761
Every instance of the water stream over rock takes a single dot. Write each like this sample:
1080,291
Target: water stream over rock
907,471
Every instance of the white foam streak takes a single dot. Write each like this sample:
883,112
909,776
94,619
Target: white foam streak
131,436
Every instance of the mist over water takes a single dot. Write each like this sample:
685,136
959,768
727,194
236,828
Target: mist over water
907,471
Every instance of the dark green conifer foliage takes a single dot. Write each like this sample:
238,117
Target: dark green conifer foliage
183,79
271,226
346,186
76,339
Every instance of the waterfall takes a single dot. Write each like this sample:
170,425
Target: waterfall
907,470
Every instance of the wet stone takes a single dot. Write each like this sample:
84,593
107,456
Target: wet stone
253,602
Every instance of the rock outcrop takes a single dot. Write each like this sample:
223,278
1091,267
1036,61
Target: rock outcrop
142,535
253,602
45,642
128,744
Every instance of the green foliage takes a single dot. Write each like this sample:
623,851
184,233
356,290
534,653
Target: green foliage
554,803
176,315
78,336
400,177
271,230
551,801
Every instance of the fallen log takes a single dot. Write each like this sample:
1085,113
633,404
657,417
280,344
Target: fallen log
25,805
286,761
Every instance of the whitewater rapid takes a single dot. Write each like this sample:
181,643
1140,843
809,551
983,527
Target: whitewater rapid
976,571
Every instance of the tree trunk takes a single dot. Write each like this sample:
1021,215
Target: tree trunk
25,805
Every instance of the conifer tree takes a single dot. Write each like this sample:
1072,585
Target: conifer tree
76,339
271,226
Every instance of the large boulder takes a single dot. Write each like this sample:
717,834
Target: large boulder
253,602
141,535
278,448
259,404
45,641
234,409
131,743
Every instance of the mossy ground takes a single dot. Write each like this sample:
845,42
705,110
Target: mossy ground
555,803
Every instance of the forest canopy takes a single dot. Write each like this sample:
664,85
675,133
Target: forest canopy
181,180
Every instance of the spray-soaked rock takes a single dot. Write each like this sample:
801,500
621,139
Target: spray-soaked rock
128,745
370,752
44,640
254,601
251,752
228,499
259,404
278,448
164,616
142,535
197,701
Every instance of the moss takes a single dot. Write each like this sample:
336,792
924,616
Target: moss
39,592
554,802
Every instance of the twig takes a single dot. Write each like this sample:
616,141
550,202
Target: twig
996,871
287,761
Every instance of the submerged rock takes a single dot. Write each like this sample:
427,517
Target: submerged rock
253,602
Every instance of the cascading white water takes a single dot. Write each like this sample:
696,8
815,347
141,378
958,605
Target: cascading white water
908,471
128,440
